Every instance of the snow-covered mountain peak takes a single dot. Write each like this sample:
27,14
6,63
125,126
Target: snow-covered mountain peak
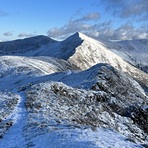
82,36
74,37
79,36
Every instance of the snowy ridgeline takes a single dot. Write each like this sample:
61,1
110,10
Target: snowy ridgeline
93,105
68,99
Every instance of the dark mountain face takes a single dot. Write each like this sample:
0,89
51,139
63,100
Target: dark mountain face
23,45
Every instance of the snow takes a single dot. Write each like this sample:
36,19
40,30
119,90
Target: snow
13,65
59,135
100,138
136,49
91,52
14,137
84,138
57,105
132,51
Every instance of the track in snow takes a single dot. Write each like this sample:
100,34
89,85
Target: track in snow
14,136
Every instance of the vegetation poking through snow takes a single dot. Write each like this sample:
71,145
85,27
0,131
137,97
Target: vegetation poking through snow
8,103
78,107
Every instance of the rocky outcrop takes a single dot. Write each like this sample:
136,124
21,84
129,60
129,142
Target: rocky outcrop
114,102
8,103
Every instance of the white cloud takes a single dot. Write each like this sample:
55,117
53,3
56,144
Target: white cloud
3,13
127,8
67,29
7,34
129,13
26,35
103,30
74,25
89,17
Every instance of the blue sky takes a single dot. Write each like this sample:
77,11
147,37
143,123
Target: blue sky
112,19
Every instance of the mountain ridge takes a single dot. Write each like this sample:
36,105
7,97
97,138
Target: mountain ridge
23,45
84,52
113,46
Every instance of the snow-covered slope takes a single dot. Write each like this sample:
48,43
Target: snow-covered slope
14,69
91,52
137,50
14,65
133,51
63,49
82,113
